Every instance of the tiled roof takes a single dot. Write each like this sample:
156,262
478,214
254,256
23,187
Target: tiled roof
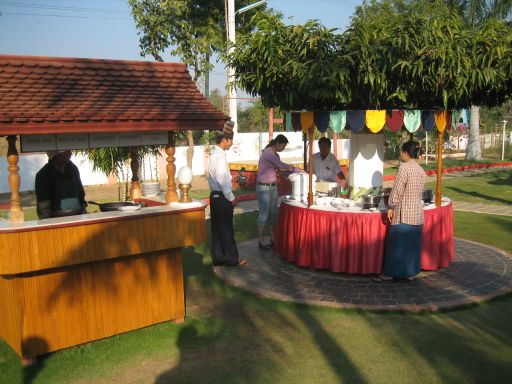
57,95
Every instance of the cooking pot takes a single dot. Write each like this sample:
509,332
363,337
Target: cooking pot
114,206
426,196
385,195
370,201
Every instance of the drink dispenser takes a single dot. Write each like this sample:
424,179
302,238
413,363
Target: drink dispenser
300,185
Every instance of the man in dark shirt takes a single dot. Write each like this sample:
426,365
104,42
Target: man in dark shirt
59,189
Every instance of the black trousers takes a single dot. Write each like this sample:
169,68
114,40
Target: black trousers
225,251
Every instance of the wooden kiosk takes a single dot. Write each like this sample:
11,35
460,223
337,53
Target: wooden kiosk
70,280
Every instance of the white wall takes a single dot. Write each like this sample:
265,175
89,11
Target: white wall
30,164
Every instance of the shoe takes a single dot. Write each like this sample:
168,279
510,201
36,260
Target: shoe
381,279
263,245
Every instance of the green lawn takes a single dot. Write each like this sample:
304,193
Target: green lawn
231,337
487,188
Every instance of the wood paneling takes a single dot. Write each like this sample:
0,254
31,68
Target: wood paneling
57,247
65,286
50,311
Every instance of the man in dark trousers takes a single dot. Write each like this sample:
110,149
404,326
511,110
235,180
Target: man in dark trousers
222,202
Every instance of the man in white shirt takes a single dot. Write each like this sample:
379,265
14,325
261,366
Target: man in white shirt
222,202
326,166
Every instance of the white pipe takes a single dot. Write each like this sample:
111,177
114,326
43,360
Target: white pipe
231,71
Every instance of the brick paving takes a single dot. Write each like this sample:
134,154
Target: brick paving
478,273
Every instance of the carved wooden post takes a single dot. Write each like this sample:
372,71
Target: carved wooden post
439,167
16,213
135,190
170,150
311,132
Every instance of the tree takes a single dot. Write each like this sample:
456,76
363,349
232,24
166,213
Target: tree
394,54
192,29
476,13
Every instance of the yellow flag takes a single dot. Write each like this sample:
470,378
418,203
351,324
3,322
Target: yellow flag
375,119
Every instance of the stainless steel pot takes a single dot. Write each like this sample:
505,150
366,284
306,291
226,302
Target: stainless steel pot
370,201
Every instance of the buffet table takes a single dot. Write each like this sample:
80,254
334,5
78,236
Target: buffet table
71,280
352,240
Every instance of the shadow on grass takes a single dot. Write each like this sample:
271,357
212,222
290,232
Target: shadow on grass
479,195
246,347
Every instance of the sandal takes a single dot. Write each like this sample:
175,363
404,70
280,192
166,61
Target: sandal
263,245
241,263
381,279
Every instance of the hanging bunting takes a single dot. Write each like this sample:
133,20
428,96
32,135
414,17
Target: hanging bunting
448,120
322,120
412,120
395,119
288,122
337,121
440,117
375,119
356,120
296,121
306,121
427,120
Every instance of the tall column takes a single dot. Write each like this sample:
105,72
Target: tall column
135,190
15,213
170,150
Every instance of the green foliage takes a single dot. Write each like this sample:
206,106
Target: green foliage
253,118
191,29
395,54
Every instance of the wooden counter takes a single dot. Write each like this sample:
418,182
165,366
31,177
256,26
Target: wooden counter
77,279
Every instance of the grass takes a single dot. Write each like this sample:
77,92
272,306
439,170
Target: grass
487,188
231,336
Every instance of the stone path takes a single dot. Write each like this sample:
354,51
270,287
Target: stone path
478,273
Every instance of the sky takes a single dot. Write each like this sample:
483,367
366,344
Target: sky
104,29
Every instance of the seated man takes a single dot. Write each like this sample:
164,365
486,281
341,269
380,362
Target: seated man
326,166
59,189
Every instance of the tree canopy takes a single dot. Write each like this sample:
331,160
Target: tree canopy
395,54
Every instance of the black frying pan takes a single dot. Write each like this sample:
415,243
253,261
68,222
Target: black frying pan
114,206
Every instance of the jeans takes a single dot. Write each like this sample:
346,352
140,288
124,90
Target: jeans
267,204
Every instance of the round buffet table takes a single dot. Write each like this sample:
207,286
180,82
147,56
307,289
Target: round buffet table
352,240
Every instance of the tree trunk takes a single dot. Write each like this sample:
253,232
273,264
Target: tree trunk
473,151
190,149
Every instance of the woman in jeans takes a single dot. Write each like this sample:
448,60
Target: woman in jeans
266,187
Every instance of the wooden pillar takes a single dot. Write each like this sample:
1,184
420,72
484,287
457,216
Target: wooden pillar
311,132
170,150
135,190
15,213
335,145
270,124
304,141
439,167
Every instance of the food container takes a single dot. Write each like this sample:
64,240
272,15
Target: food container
426,196
300,186
370,201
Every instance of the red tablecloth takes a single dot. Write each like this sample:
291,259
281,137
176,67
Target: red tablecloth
354,242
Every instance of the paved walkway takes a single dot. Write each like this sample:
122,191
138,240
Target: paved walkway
477,274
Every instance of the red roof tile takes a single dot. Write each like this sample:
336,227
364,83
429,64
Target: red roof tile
64,95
